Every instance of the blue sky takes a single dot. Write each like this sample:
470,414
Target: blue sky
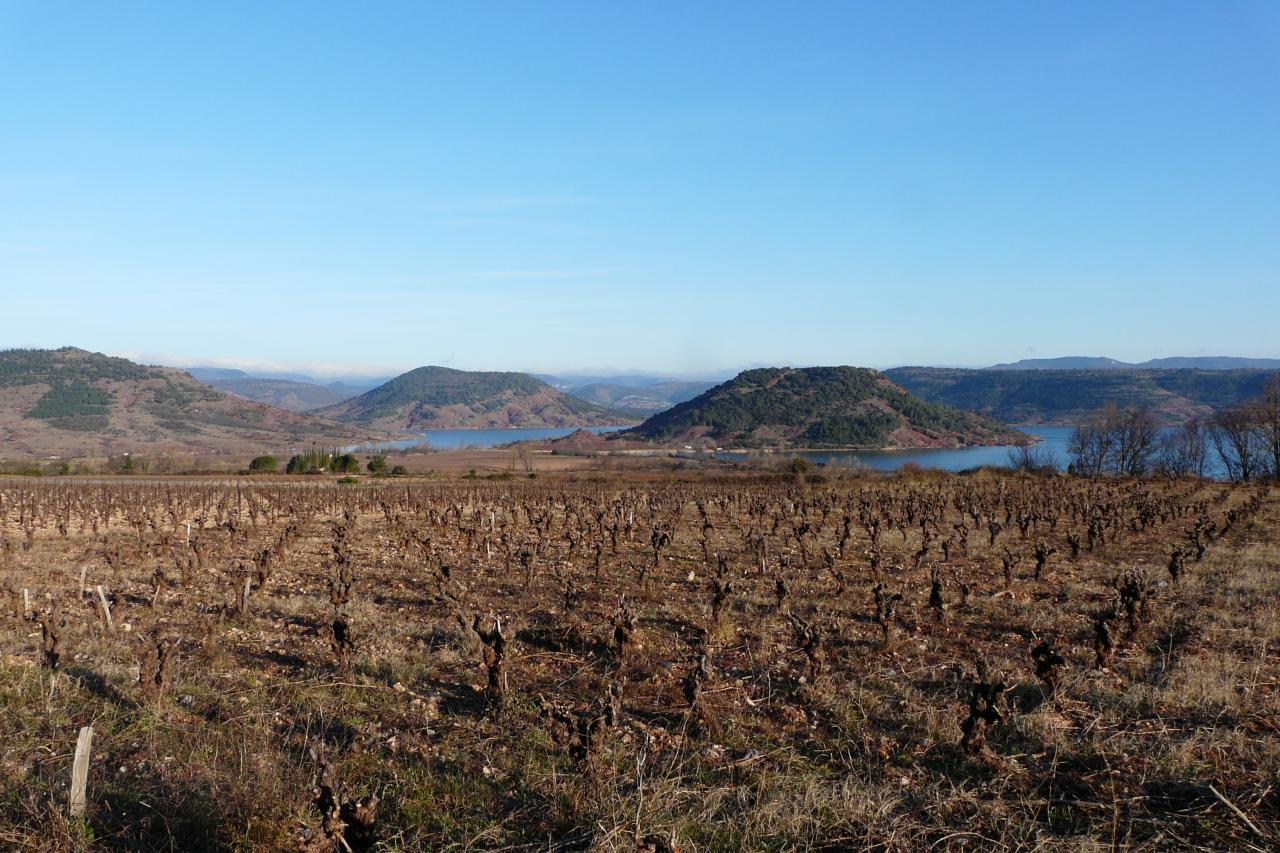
680,187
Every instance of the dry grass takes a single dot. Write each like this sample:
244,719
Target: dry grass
867,757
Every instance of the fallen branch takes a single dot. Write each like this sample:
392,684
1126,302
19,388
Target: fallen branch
1238,813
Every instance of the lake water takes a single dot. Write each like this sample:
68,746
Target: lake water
461,439
1053,444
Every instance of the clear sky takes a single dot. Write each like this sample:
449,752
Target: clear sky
680,187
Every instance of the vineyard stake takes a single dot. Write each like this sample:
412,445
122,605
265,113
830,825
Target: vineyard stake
106,609
80,770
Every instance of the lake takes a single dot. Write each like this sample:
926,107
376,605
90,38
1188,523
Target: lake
462,439
1053,443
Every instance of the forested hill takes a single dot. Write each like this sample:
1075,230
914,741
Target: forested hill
1066,396
70,402
443,398
818,407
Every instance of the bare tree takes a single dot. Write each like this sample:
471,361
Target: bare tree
1266,416
1235,438
1118,440
1135,440
1031,457
1093,442
1184,451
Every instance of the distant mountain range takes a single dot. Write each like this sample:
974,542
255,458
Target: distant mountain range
71,402
1066,395
443,398
304,394
567,382
1085,362
643,399
817,407
205,374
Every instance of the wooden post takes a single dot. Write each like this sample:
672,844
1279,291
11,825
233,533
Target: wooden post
83,570
26,602
80,770
106,608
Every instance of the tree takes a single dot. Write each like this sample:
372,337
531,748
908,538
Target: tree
347,463
1093,442
1235,438
1121,441
1031,458
1266,417
1183,451
377,465
1135,441
315,459
263,463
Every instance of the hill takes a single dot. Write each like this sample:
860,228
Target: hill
443,398
646,399
1066,396
70,402
577,380
281,393
285,393
818,407
1069,362
1199,362
293,393
354,384
1214,362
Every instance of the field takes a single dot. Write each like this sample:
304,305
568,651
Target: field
921,662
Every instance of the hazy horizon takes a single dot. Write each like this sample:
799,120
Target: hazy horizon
335,372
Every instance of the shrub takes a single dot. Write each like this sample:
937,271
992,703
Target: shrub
347,463
263,463
347,481
377,465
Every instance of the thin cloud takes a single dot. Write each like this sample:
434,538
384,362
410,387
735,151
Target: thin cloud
319,369
540,274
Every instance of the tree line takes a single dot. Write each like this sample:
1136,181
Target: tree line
1245,439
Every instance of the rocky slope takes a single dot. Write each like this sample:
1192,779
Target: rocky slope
70,402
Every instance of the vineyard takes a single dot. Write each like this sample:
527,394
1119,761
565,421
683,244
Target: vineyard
925,661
